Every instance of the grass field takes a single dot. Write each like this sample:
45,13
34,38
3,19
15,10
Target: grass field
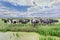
46,32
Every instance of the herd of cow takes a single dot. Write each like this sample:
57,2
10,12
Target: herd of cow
34,21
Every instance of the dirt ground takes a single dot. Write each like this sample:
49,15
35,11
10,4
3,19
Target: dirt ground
18,36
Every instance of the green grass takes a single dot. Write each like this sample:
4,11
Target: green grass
45,30
49,38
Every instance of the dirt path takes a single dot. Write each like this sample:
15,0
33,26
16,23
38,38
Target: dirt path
18,36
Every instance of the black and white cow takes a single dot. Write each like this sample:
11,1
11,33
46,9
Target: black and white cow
54,20
34,21
14,21
9,21
24,21
5,20
48,21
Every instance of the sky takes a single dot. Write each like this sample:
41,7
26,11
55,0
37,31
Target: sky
29,8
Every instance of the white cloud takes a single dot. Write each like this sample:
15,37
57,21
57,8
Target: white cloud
38,10
6,12
21,2
30,2
50,11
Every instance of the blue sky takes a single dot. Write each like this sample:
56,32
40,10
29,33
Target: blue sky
26,8
20,8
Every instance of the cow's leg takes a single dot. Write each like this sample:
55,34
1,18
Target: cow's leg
34,25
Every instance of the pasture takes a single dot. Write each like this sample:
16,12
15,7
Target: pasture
46,32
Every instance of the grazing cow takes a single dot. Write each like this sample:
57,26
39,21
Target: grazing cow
54,21
5,20
48,21
24,21
27,20
14,21
10,20
34,21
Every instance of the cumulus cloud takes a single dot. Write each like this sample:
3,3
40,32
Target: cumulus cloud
20,2
40,8
7,12
45,10
30,2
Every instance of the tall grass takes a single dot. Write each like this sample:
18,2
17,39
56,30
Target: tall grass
51,29
49,38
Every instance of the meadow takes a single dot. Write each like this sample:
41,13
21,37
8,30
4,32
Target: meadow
46,32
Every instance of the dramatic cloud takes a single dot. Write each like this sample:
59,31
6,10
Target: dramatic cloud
20,2
29,8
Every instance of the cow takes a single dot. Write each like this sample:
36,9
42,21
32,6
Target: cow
24,21
54,20
48,21
14,21
5,20
10,21
34,21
